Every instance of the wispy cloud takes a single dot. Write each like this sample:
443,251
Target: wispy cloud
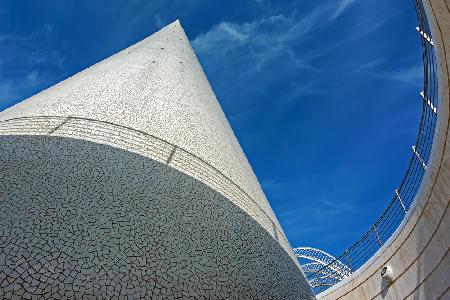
269,32
375,68
135,15
320,210
342,7
412,74
159,22
48,58
7,92
41,33
252,46
368,66
262,38
267,42
28,65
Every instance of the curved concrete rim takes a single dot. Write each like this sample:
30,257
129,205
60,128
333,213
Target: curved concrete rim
424,221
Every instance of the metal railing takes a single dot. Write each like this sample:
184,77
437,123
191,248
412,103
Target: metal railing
403,198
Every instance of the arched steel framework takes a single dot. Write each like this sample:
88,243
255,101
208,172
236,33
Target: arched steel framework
314,262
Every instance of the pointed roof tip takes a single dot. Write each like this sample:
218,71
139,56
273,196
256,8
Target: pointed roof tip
170,26
176,21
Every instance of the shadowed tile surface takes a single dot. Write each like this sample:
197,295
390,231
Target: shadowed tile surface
80,219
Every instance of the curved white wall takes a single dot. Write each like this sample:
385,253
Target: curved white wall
419,250
156,86
133,184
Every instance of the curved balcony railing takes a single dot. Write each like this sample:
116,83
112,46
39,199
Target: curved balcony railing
403,198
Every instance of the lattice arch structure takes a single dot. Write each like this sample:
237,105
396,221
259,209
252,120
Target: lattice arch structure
313,261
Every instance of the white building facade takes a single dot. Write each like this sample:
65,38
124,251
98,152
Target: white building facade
126,180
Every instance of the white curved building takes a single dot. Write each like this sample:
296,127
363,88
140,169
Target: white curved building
126,180
414,263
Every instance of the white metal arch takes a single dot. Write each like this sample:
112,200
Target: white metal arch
315,267
324,259
314,261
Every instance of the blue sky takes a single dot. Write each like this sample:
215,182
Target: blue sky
322,95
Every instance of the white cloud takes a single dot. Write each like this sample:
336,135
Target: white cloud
32,79
320,209
259,41
341,8
274,46
136,14
41,33
7,91
368,65
413,74
27,64
268,37
46,57
270,32
159,23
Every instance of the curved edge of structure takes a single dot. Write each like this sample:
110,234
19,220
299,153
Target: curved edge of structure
418,252
81,219
152,147
155,87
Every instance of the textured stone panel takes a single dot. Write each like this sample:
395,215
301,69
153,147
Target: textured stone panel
85,220
151,147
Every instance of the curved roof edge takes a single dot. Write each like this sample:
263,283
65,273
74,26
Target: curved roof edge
418,252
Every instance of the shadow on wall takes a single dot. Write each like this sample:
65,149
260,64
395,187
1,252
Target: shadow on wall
385,283
80,218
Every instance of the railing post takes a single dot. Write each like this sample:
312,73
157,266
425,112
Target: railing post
427,101
350,264
400,200
425,35
424,166
376,234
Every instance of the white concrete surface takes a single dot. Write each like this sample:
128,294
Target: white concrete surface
126,180
159,87
419,250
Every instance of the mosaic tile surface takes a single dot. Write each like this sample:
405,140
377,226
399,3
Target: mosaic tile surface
85,220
